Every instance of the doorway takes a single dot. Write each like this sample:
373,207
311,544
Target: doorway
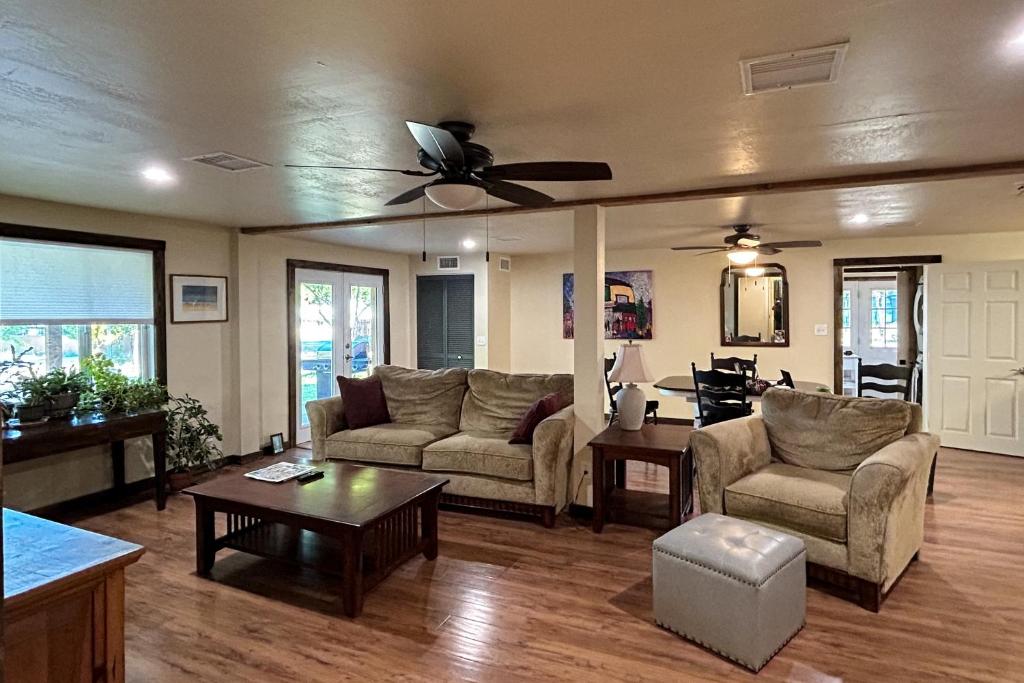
444,321
339,326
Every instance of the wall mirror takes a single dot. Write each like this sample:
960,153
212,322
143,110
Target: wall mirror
755,306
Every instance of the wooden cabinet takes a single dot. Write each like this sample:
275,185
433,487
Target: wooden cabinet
63,601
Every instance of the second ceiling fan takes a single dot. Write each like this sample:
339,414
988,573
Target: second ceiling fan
467,171
744,247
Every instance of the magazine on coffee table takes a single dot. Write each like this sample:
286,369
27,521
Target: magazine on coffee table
282,471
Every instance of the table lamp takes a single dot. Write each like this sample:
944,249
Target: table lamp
629,369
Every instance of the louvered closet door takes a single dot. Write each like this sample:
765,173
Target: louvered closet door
444,321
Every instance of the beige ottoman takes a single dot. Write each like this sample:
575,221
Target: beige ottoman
734,587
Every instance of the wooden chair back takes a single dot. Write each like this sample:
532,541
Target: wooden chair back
736,364
721,395
901,378
613,389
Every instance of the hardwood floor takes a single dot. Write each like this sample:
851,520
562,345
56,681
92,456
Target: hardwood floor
509,600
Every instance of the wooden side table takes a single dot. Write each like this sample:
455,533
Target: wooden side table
666,445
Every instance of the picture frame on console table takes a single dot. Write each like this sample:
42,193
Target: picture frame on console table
199,299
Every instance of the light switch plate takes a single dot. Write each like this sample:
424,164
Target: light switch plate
481,341
821,330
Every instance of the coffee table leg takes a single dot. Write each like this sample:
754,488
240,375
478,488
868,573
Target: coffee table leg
352,590
205,545
428,512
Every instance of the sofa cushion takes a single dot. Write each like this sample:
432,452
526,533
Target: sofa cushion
828,432
486,453
495,401
392,442
810,501
363,402
538,411
423,397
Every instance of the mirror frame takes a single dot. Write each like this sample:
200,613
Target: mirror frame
785,309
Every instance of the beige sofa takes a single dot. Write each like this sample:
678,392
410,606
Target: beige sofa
458,422
846,475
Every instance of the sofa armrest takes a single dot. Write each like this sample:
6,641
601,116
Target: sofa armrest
552,457
725,453
885,518
326,416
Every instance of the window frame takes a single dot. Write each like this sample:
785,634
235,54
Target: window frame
158,249
884,308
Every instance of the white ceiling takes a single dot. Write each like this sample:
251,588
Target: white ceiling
93,92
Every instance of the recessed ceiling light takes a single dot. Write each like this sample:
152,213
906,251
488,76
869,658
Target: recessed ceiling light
859,219
468,243
1017,41
158,175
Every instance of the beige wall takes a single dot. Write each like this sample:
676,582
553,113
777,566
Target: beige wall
686,305
237,369
499,317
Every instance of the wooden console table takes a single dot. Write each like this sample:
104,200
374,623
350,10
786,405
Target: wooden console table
666,445
94,429
63,601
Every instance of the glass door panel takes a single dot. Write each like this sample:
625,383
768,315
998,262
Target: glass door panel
316,345
361,349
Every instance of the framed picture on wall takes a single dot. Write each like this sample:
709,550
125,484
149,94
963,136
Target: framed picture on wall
199,299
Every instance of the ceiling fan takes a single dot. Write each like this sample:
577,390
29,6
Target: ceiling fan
743,246
467,171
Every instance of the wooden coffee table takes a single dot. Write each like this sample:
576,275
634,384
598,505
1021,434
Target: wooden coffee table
359,522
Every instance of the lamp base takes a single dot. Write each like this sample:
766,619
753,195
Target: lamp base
632,404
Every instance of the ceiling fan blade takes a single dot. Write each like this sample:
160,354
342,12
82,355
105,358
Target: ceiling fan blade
713,251
695,248
518,194
365,168
766,250
549,170
797,244
409,195
439,144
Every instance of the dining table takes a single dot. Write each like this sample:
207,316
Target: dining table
683,387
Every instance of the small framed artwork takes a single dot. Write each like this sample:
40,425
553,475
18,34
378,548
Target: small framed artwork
277,443
199,299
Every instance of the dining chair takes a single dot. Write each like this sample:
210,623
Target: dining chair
721,395
651,409
736,364
901,378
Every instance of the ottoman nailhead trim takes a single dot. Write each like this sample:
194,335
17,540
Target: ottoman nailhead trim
732,576
728,656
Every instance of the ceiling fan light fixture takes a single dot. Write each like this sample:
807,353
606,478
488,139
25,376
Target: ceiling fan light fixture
455,196
754,271
742,257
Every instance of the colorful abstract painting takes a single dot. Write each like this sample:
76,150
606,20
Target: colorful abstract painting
628,305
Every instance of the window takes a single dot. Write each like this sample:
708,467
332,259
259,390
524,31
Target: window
884,329
846,328
61,302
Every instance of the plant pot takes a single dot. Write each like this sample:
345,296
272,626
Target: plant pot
179,480
31,413
62,405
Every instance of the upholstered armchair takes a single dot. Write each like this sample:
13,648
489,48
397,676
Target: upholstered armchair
847,475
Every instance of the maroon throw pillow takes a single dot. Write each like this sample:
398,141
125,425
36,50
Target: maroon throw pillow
542,408
363,402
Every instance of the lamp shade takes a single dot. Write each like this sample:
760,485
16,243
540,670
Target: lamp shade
630,366
455,196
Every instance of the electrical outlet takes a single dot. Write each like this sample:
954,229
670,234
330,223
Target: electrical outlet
821,330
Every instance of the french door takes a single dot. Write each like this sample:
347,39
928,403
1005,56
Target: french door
340,331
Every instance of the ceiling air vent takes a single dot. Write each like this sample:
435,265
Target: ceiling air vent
227,162
447,262
504,263
792,69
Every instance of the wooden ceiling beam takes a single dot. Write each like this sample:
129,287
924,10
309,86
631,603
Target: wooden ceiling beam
920,175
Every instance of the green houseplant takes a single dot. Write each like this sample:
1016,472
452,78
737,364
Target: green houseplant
191,440
112,392
63,389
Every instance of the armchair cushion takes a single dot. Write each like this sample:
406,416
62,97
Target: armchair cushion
486,453
811,501
726,452
827,432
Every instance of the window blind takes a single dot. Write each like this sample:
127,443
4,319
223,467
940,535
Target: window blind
60,283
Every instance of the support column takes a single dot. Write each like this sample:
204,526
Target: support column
588,341
248,371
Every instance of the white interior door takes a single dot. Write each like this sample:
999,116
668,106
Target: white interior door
340,332
974,353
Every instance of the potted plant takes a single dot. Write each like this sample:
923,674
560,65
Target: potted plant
191,440
111,392
33,398
63,389
11,372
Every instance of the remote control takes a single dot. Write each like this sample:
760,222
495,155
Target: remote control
310,476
